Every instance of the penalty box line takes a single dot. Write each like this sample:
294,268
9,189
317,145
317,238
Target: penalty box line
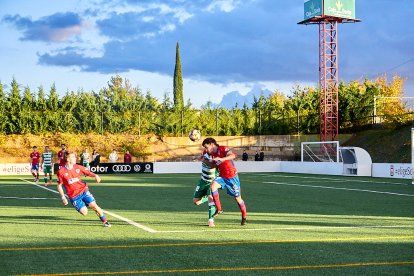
131,222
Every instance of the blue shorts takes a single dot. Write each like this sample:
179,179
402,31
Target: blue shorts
35,167
232,185
81,200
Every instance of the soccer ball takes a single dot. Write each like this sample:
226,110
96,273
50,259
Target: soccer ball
194,135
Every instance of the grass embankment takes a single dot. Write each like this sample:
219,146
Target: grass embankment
385,145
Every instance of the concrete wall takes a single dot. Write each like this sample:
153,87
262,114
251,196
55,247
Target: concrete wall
387,170
392,170
252,166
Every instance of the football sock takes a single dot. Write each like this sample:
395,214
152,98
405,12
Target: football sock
204,199
34,175
211,210
103,218
45,179
216,198
242,207
37,175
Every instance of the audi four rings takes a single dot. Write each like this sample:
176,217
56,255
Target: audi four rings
121,168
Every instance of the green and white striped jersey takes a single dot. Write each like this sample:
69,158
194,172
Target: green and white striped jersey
208,173
85,156
47,158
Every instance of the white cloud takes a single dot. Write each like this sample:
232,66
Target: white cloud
222,5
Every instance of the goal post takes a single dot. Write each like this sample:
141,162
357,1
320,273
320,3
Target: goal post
327,151
412,155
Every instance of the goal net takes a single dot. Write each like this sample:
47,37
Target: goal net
320,151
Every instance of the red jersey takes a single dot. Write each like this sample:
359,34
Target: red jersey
72,181
127,158
61,156
35,156
226,168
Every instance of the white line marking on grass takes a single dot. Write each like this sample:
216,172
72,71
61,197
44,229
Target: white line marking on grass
335,179
136,224
337,188
143,227
284,228
9,185
23,198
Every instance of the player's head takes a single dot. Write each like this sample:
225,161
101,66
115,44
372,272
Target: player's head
210,144
70,157
34,148
47,148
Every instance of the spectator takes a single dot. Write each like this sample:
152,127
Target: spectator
113,157
127,157
261,156
96,159
256,156
245,156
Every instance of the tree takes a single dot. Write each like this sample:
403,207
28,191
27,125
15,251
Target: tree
178,81
26,114
393,109
3,110
14,108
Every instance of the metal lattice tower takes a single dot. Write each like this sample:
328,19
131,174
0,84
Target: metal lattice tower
328,80
327,14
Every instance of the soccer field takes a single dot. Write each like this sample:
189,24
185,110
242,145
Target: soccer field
297,224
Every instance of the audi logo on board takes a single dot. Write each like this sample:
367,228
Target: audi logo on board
121,168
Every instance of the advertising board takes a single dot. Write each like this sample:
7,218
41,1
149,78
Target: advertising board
120,168
334,8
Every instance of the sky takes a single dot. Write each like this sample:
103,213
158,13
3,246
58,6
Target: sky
225,45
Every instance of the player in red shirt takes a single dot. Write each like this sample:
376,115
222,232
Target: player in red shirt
61,156
77,190
34,163
223,158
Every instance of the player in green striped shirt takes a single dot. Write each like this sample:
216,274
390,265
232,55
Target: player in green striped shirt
85,156
202,191
47,164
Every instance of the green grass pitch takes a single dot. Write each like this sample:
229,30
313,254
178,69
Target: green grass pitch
297,224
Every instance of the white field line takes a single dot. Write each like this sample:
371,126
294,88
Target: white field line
335,179
286,228
40,186
9,185
28,198
136,224
337,188
133,223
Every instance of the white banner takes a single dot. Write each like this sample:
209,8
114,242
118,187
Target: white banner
16,169
392,170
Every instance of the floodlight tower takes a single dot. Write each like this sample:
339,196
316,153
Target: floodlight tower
327,14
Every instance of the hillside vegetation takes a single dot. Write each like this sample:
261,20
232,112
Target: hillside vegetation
385,145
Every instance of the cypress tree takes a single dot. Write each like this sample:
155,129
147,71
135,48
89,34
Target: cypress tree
178,81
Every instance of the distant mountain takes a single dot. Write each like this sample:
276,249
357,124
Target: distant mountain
232,98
